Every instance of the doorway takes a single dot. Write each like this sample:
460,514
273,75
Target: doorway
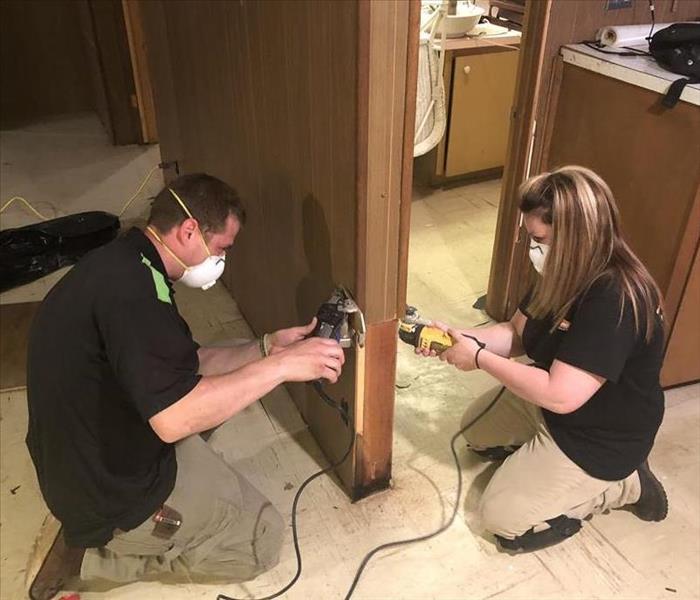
457,183
458,190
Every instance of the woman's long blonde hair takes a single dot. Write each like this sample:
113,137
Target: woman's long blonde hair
586,245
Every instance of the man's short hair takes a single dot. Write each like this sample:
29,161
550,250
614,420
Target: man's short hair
209,199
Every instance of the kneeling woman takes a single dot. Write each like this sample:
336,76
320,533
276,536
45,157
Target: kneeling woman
576,427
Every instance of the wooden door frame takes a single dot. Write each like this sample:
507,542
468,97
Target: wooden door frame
508,253
388,61
386,92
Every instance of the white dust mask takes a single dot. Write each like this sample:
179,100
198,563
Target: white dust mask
538,255
203,275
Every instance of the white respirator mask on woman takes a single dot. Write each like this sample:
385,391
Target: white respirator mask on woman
538,254
203,275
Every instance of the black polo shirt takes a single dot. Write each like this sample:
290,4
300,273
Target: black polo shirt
107,351
613,432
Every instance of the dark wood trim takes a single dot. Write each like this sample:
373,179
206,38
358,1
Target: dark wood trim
503,290
362,95
466,178
682,353
541,159
133,20
409,132
115,60
682,267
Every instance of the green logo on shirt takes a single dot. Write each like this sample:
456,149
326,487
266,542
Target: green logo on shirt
162,288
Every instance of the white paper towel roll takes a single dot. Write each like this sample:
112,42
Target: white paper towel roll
627,35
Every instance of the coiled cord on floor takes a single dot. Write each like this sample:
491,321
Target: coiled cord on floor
449,522
297,496
295,537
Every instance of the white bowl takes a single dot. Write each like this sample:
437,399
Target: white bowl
465,20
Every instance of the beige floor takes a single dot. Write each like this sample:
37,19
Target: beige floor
615,556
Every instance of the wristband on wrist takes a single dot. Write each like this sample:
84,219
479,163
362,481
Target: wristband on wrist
479,343
265,345
476,356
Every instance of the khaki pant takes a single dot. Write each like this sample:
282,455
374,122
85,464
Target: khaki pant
229,531
537,482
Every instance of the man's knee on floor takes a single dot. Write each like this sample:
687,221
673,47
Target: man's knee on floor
269,536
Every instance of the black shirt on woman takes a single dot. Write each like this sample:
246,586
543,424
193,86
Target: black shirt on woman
613,432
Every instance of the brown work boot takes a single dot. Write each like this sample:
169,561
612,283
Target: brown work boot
58,565
653,502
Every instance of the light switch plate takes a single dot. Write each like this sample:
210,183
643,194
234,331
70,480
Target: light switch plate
617,4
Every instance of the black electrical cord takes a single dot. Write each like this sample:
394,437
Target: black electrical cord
629,51
343,411
341,408
438,531
295,537
653,20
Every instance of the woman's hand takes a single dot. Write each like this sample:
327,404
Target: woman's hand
463,352
286,337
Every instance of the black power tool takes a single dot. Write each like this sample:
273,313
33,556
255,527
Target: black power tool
333,323
333,318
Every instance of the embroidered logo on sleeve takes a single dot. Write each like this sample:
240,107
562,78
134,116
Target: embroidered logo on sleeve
162,290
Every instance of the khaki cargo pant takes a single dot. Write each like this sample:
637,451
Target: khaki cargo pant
229,531
537,482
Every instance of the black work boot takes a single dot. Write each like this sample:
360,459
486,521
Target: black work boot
653,502
560,528
60,565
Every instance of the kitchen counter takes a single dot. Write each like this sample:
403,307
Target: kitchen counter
642,71
484,35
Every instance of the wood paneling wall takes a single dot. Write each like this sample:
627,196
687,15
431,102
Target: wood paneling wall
43,68
263,95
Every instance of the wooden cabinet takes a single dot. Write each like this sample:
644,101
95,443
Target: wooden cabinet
479,76
480,103
649,157
682,362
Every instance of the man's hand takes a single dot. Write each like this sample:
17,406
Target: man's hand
286,337
310,359
462,353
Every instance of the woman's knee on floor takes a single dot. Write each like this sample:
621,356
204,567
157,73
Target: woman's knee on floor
507,515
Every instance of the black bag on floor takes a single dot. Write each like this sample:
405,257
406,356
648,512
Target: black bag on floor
677,49
30,252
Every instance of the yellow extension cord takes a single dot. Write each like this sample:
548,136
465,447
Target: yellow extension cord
7,204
